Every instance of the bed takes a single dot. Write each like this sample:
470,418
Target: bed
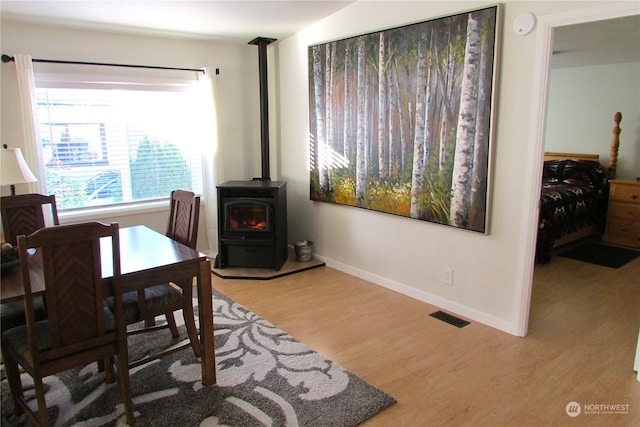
573,197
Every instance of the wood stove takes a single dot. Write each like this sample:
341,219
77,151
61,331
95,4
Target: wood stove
252,215
252,224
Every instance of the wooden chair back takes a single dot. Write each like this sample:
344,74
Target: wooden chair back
24,214
79,329
70,263
184,217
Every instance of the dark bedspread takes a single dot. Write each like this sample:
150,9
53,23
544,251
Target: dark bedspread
574,195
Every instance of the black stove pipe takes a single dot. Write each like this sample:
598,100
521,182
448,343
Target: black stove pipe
262,43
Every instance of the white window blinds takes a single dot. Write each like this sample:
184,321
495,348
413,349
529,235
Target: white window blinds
121,138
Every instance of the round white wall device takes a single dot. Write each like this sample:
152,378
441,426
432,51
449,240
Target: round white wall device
524,23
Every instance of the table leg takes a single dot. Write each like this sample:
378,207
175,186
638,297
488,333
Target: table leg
205,311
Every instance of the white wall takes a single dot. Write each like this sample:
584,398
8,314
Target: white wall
582,102
491,272
237,88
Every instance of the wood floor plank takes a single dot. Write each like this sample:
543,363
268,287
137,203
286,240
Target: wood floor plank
582,337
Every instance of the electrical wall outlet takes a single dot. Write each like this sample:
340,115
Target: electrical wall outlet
448,277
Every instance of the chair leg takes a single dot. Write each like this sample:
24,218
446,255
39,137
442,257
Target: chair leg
43,415
106,365
190,323
171,321
123,383
13,378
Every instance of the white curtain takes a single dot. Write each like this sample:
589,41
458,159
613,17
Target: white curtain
211,154
212,167
29,121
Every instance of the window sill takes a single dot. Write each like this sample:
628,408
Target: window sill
108,212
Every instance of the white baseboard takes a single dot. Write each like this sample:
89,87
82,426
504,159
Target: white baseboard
443,303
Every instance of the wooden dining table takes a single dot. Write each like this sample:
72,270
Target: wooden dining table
147,258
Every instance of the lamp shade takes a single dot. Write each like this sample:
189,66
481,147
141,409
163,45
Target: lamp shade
14,169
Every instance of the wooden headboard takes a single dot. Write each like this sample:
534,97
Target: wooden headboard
614,147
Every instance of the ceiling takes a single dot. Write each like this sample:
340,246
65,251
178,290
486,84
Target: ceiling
597,43
600,42
238,20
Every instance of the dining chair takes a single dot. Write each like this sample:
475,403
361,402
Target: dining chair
163,299
24,214
78,330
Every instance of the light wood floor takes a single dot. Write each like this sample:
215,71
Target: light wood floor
580,347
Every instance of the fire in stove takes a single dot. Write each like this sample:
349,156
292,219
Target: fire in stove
248,217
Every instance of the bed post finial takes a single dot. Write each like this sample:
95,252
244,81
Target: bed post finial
615,145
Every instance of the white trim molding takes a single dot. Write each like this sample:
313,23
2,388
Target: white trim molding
540,89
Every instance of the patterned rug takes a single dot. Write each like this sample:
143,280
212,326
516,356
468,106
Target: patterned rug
264,377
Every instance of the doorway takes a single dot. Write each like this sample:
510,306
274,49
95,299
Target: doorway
546,26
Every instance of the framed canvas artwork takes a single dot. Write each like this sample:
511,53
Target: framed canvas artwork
401,119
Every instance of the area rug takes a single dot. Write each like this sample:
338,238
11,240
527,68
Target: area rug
264,378
600,254
291,266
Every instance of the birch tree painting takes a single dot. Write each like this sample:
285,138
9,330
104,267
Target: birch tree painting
400,119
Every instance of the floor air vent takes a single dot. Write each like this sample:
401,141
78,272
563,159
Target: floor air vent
452,320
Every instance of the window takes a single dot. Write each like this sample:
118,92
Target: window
109,146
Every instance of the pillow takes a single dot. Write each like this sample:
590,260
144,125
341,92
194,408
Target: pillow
575,172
